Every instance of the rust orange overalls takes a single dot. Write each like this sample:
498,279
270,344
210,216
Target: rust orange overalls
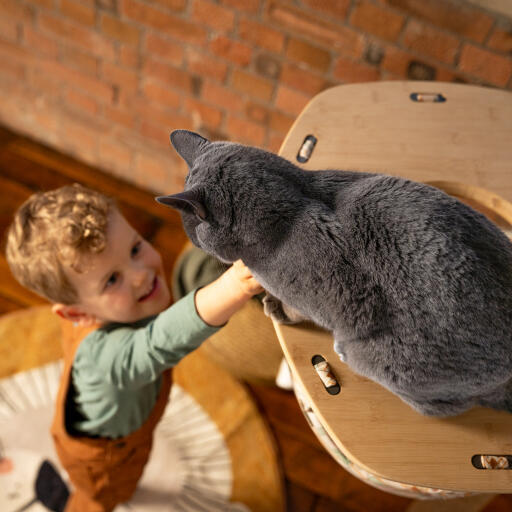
103,471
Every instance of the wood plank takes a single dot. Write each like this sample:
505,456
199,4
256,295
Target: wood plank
7,305
299,499
462,146
85,174
283,409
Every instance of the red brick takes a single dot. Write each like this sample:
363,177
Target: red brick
231,50
15,10
173,5
12,67
501,40
349,71
120,116
337,8
115,155
46,85
106,5
280,122
174,26
322,32
161,95
78,59
203,114
81,36
212,15
257,113
260,35
448,75
252,85
96,88
14,51
78,12
78,138
48,124
245,131
153,172
160,47
302,79
39,43
82,102
377,20
168,74
251,6
119,30
486,65
9,29
461,18
124,78
221,97
427,40
159,129
275,142
396,61
204,65
128,56
158,114
290,101
305,53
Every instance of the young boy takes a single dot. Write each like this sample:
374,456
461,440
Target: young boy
73,246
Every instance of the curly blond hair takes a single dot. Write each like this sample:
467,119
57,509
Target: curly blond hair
55,229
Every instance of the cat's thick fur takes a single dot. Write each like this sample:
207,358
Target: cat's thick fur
415,286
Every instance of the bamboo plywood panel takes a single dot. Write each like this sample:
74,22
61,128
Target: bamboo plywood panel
464,146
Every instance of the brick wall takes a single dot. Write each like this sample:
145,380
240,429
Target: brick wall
107,80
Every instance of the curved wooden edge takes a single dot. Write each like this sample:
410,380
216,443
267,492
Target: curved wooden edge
464,149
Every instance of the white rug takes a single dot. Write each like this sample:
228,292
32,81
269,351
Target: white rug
189,468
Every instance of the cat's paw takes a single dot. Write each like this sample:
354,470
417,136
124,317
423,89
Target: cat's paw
279,312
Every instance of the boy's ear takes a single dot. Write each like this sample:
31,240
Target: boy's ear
74,314
188,144
187,200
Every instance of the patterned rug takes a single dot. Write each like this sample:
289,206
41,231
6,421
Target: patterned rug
204,455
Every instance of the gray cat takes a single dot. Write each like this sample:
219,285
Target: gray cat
415,286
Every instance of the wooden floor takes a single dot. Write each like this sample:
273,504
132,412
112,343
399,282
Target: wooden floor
314,482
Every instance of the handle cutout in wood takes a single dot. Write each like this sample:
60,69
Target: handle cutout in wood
306,149
427,97
328,379
492,461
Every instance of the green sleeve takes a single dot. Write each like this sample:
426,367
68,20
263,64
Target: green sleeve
130,357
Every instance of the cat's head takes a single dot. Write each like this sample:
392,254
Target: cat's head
235,197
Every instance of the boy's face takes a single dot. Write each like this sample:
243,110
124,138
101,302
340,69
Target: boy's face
125,282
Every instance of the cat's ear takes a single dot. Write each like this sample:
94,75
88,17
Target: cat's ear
188,144
188,201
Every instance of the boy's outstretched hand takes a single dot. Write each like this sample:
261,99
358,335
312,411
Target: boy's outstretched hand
218,301
245,280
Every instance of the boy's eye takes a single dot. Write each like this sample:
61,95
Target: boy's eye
136,248
111,280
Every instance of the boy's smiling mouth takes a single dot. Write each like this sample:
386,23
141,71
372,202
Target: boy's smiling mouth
152,290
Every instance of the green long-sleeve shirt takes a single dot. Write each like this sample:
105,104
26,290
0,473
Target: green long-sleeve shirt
116,370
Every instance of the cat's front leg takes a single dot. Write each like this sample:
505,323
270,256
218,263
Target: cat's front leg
280,312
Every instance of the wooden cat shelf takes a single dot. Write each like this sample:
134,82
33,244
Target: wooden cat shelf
458,138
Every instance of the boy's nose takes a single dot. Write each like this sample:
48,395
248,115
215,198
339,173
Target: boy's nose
139,277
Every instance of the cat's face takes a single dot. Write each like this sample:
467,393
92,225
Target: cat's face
235,199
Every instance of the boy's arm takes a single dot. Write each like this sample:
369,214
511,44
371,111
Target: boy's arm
131,358
218,301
